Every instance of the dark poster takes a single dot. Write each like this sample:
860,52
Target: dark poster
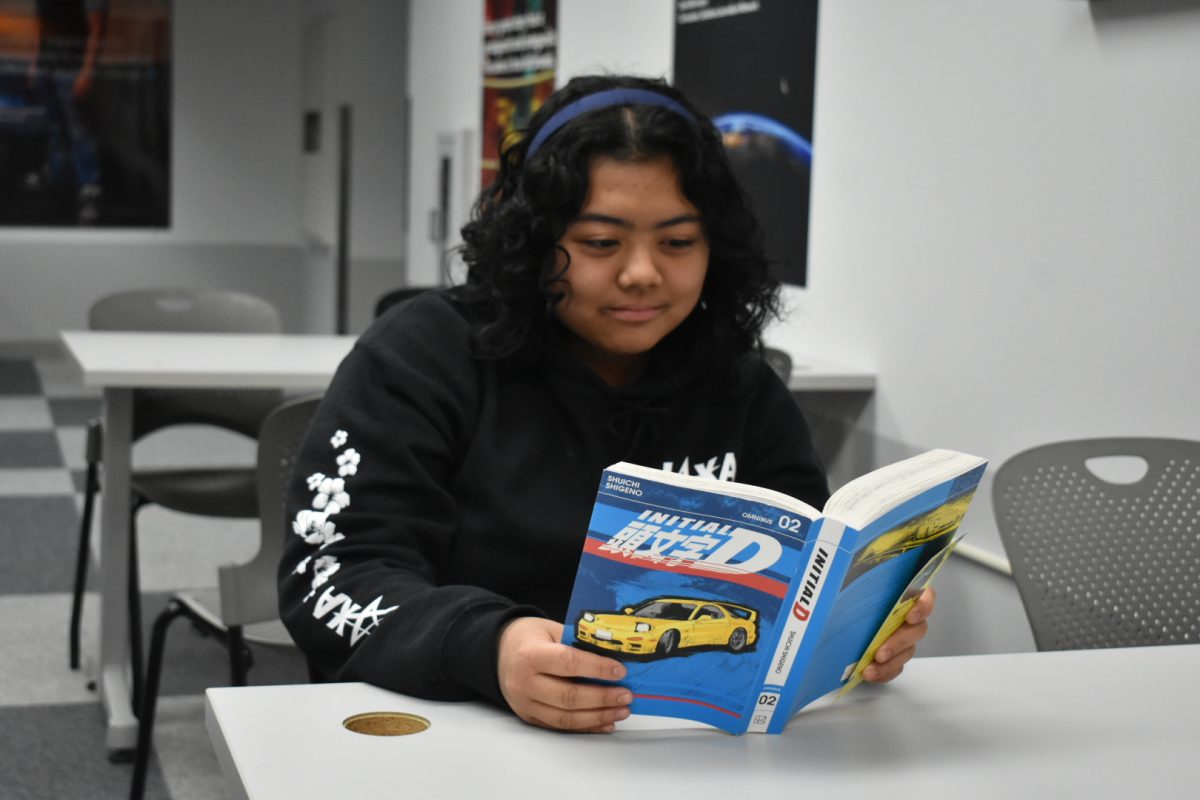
751,66
520,50
85,113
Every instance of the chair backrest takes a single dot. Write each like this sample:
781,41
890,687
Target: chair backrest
1109,561
779,361
188,310
395,296
192,311
248,591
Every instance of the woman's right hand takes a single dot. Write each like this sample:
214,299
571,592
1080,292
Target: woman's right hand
538,679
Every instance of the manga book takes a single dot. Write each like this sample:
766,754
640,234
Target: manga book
737,606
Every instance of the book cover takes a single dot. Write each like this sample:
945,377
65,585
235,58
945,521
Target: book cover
737,606
685,587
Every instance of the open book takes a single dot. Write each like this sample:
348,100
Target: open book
737,606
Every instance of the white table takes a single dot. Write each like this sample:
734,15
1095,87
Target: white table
814,374
120,362
1114,723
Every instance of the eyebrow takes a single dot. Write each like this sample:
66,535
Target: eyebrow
624,223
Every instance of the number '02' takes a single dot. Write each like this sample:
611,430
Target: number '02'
767,699
790,524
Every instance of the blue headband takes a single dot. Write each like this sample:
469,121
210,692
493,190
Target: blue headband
598,100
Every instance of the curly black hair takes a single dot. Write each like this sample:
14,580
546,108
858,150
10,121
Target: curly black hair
511,242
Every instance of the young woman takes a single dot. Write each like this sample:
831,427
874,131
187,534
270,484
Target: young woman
612,311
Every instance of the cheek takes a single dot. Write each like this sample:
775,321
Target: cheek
691,281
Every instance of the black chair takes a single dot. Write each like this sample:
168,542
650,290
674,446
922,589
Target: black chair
1110,561
395,296
245,607
227,492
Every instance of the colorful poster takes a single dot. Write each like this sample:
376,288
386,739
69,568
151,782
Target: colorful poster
520,51
751,65
85,113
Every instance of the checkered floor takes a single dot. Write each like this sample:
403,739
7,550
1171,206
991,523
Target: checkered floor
51,723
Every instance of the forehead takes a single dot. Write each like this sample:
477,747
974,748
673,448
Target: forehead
643,187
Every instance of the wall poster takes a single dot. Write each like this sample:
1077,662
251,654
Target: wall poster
751,65
520,52
85,113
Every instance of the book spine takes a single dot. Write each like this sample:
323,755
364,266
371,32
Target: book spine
798,612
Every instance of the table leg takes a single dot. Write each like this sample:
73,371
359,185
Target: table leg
114,570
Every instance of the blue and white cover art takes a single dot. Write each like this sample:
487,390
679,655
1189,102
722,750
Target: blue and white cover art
685,588
888,553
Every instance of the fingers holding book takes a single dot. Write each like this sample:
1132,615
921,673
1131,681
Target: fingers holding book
538,680
895,652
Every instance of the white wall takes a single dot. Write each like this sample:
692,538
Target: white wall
445,69
235,183
236,135
355,54
635,37
1003,224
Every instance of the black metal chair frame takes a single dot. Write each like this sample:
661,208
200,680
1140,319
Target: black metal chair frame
247,591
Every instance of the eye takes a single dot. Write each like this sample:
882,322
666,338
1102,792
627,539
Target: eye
679,243
600,244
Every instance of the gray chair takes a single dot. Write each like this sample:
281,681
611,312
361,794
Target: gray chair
1108,561
219,492
244,608
779,361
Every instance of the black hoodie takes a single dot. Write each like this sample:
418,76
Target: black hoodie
438,496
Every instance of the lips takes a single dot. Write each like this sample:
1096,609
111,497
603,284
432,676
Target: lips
635,313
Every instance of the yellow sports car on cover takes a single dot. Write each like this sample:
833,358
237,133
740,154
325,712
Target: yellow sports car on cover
663,626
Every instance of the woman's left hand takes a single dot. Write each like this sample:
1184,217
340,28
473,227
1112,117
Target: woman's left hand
895,652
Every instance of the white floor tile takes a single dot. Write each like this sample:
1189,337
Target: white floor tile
25,414
34,669
72,441
41,481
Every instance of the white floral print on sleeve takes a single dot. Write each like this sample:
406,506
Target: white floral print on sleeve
315,528
348,462
342,615
331,496
323,569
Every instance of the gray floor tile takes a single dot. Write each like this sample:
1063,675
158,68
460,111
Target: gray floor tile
59,753
19,376
20,449
38,537
185,754
33,349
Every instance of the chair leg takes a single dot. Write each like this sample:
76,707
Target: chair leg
239,664
83,557
150,697
134,592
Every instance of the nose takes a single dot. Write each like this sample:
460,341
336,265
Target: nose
639,270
